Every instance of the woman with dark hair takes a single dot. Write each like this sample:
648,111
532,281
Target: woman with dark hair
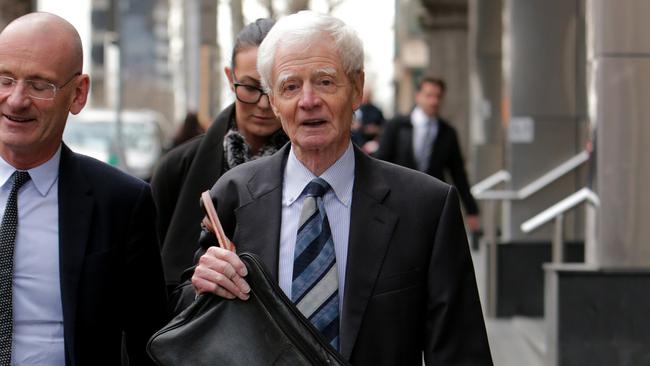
245,130
190,128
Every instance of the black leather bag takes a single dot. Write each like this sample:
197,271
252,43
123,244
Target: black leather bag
266,329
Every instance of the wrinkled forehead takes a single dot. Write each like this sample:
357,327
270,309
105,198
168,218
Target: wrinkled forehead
306,58
310,73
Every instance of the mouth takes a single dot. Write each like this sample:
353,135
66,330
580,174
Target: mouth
18,119
264,118
314,122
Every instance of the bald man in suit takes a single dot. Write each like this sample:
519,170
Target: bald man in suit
85,238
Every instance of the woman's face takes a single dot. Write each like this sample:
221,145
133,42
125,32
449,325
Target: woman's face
255,121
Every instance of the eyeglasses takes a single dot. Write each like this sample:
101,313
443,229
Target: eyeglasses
248,94
36,89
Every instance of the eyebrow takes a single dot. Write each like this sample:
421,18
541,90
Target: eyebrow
330,71
248,79
284,76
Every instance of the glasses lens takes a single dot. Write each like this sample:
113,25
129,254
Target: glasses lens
40,89
247,93
6,84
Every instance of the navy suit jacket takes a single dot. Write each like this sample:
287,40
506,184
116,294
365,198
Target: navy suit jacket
410,285
111,277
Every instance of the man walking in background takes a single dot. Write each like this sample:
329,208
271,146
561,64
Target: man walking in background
426,142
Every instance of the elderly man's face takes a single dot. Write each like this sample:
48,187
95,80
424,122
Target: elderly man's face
314,97
31,128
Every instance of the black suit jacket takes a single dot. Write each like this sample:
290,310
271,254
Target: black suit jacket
178,181
410,283
397,147
111,276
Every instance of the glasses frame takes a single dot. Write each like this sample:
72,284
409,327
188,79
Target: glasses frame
237,84
55,87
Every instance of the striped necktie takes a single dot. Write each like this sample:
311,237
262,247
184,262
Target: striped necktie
7,241
314,289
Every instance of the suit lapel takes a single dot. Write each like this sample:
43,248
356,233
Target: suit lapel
263,213
75,212
371,229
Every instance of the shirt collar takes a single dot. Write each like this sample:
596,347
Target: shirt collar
43,175
340,177
420,119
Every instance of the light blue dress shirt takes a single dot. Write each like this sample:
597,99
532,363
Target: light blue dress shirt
337,200
38,313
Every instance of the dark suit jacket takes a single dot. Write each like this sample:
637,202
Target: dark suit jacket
178,181
410,283
397,147
111,276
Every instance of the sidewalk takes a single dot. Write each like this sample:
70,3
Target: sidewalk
514,341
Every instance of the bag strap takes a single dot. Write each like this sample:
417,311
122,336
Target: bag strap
213,224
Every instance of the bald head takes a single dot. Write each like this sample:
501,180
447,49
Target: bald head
49,29
39,52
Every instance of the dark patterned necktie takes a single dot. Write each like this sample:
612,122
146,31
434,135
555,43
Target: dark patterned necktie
7,241
424,155
314,289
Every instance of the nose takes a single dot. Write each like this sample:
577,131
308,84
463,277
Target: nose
309,98
17,97
264,103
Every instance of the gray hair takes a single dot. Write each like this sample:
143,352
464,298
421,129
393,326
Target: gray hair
300,29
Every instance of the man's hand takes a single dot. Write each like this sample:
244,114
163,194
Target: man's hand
473,222
221,272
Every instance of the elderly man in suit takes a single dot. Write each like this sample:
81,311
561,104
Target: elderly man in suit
373,254
77,237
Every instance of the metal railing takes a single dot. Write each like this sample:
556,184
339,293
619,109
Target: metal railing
490,230
483,191
532,187
556,212
499,177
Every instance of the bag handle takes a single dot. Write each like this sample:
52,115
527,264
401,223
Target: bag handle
214,223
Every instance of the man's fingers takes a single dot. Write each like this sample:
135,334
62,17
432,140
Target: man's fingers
205,280
242,285
230,257
219,272
203,286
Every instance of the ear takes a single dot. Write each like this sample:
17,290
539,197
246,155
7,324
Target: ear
80,96
357,89
228,71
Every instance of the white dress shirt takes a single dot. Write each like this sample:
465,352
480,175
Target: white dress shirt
337,200
38,313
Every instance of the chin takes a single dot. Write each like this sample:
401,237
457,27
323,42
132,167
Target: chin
265,132
316,143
